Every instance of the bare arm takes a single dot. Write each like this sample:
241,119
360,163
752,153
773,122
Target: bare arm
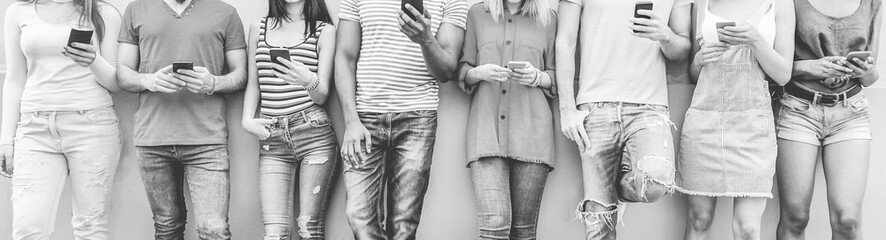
236,78
777,60
325,65
677,46
571,119
440,52
252,92
348,51
104,66
127,62
872,78
16,75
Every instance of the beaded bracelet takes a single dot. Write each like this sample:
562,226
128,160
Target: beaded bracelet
315,82
537,80
212,90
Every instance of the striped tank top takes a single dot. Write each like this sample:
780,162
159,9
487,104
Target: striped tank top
279,98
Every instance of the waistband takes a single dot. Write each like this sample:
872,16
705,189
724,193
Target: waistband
588,106
823,98
294,118
57,113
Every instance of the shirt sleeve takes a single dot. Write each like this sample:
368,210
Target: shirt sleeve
550,59
349,11
234,37
456,13
128,33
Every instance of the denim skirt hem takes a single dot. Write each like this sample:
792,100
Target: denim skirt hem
726,194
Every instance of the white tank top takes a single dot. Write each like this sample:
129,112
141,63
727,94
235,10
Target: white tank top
763,20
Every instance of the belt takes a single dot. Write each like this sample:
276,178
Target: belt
819,97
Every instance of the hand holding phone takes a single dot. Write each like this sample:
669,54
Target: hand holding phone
722,25
276,54
861,55
182,66
80,36
518,65
642,5
417,4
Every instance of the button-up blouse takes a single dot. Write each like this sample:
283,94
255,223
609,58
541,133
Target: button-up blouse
507,119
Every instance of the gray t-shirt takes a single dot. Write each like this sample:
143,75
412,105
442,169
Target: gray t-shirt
204,32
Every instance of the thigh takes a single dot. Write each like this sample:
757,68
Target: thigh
490,177
277,173
527,188
162,175
317,171
648,135
207,174
93,163
846,166
795,172
600,163
37,185
748,210
412,147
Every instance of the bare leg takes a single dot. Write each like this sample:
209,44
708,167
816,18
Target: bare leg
701,215
747,216
795,171
846,170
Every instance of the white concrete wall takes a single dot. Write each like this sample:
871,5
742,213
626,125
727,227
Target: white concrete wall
450,211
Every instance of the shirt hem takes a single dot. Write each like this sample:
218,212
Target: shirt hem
180,142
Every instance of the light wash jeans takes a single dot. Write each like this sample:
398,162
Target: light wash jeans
509,195
50,147
205,168
399,165
298,159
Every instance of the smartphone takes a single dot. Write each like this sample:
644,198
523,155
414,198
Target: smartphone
862,55
518,65
80,36
642,5
182,65
417,4
279,53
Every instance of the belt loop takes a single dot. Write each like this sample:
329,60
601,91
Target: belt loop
815,98
304,116
845,95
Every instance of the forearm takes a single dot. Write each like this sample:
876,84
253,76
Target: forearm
320,94
545,80
12,95
695,67
869,79
676,47
231,82
105,74
800,71
130,80
441,63
250,100
774,64
346,85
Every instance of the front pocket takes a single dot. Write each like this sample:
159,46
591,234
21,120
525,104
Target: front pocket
101,117
861,105
794,104
318,119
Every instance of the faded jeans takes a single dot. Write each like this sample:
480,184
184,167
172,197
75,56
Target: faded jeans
509,195
398,164
630,160
300,154
205,168
50,147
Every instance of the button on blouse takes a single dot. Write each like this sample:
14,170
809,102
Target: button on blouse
507,119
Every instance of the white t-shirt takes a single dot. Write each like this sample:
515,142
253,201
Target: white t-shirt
615,65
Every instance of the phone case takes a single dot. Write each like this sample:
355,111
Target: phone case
417,4
80,36
863,55
278,53
182,65
646,5
725,24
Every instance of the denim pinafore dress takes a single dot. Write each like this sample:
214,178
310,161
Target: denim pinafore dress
728,145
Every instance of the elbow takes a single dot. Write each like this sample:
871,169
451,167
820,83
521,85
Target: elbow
782,78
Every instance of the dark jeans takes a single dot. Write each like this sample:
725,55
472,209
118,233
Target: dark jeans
509,194
165,169
302,146
398,164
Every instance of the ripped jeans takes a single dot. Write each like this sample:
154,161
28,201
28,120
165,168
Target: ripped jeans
298,159
49,148
630,160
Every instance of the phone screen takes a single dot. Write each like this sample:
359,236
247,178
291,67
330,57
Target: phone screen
80,36
645,5
182,65
417,4
279,53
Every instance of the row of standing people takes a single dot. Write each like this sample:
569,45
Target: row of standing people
387,69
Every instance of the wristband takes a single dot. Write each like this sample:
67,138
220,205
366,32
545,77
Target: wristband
7,142
537,80
212,90
315,82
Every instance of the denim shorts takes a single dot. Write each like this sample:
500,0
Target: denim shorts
820,124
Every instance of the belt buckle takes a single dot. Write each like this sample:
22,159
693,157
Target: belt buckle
828,100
